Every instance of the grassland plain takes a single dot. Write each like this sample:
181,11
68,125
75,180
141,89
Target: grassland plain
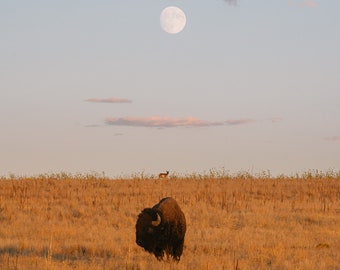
242,222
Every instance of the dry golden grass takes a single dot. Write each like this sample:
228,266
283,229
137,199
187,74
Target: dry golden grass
241,222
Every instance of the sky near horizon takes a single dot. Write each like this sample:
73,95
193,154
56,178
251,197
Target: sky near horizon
98,86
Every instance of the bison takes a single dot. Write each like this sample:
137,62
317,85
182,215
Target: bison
161,229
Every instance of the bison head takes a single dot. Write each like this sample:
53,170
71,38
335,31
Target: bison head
147,231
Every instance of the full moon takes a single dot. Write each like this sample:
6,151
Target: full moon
172,20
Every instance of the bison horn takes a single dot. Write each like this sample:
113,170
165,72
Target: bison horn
156,222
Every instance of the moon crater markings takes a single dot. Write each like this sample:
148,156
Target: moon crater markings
172,20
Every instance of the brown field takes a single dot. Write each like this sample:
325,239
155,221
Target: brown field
240,222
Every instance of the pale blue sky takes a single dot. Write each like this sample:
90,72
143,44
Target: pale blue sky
253,86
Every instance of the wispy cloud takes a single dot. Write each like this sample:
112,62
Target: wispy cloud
234,122
92,126
333,138
276,119
303,3
165,122
297,3
231,2
309,3
158,121
108,100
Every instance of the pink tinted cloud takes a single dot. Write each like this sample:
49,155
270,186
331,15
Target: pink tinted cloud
309,3
333,138
303,3
158,121
276,119
108,100
234,122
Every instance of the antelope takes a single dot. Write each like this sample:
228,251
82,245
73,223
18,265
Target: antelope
163,175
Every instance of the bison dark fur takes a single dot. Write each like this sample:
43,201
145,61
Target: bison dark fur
161,229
